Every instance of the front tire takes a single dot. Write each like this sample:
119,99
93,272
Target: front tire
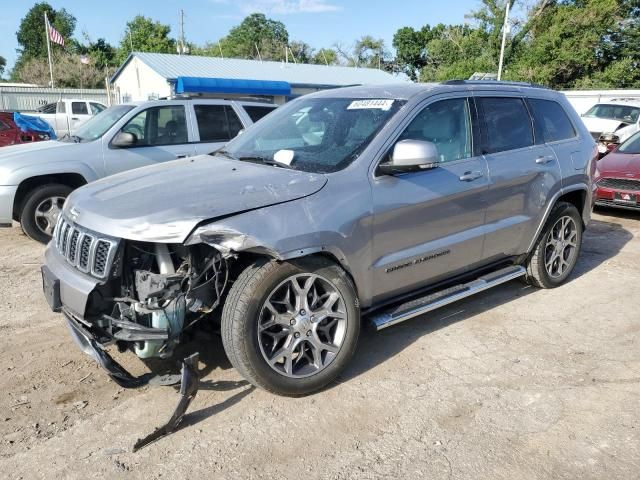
291,327
41,209
557,250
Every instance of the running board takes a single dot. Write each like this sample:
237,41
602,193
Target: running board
422,305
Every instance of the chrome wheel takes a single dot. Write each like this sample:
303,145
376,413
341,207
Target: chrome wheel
561,247
47,213
302,325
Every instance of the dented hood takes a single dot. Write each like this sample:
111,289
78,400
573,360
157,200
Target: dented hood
164,202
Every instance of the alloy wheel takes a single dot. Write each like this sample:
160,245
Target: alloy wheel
47,213
302,325
561,246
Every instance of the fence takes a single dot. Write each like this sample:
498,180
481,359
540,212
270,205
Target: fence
32,98
583,100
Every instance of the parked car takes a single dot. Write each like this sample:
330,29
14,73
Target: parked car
385,202
12,134
618,176
612,122
37,178
66,115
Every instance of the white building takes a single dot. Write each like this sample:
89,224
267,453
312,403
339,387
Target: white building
145,76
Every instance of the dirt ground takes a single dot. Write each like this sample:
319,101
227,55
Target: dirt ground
515,383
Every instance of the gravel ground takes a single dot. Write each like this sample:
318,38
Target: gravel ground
515,383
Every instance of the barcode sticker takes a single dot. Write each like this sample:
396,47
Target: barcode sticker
381,104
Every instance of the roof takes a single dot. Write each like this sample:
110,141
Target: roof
633,102
172,66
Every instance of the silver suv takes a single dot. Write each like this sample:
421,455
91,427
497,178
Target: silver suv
378,202
36,179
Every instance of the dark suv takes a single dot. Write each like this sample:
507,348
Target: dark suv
381,202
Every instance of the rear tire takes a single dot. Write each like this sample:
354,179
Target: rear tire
41,209
557,250
291,340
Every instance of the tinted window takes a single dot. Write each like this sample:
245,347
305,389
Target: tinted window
507,123
551,121
159,126
632,145
48,108
256,113
217,123
96,108
447,124
79,108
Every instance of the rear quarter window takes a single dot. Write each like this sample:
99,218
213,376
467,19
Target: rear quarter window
507,124
551,121
257,112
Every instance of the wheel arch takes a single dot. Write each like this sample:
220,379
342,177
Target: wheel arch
70,179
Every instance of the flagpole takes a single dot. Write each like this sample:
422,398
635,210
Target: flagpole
46,26
504,40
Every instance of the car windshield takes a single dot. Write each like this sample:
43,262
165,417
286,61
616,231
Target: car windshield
631,145
97,126
314,134
622,113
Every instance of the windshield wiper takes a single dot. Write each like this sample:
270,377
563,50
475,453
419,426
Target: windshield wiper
66,137
264,160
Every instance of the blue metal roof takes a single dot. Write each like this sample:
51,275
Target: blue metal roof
296,74
231,85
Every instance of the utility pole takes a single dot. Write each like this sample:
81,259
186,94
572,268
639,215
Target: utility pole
505,28
182,45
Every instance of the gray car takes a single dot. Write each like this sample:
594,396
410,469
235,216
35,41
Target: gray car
378,202
35,179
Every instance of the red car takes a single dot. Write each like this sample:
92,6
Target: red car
10,133
618,176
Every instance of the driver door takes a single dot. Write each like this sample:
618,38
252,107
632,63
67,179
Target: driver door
429,225
162,135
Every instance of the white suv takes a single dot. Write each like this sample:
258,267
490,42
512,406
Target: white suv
617,119
37,178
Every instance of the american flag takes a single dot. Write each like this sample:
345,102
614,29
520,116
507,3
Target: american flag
54,35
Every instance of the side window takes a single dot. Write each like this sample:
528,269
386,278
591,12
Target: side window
447,124
507,123
217,123
79,108
159,126
62,107
49,108
3,126
256,112
551,121
96,108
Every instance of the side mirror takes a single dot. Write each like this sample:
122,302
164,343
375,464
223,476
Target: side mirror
411,156
124,140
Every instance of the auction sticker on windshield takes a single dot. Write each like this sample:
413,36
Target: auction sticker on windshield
370,103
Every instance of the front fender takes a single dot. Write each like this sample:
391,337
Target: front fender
20,174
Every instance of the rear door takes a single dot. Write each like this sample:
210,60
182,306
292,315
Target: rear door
8,133
162,134
430,224
524,174
216,125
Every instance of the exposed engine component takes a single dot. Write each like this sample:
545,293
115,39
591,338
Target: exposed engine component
165,290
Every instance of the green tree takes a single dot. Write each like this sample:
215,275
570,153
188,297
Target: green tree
145,35
367,52
256,30
302,51
68,72
101,53
31,33
325,56
3,65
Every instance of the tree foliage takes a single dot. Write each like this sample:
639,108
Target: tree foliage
31,34
3,65
560,43
68,72
143,34
256,33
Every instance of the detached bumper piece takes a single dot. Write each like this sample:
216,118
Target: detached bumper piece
188,391
88,344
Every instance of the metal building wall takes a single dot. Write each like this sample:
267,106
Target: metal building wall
32,98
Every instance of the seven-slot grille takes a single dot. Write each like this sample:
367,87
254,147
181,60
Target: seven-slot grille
83,249
627,184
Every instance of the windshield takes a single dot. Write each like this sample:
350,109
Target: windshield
97,126
631,145
315,134
622,113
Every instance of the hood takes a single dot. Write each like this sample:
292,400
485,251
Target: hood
602,125
164,202
24,155
620,163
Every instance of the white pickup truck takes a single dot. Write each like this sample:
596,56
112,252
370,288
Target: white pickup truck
66,114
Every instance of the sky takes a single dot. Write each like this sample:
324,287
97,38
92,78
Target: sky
321,23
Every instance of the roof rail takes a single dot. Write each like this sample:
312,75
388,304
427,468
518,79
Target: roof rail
492,82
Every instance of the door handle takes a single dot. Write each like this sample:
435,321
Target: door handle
544,159
181,155
74,118
470,176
